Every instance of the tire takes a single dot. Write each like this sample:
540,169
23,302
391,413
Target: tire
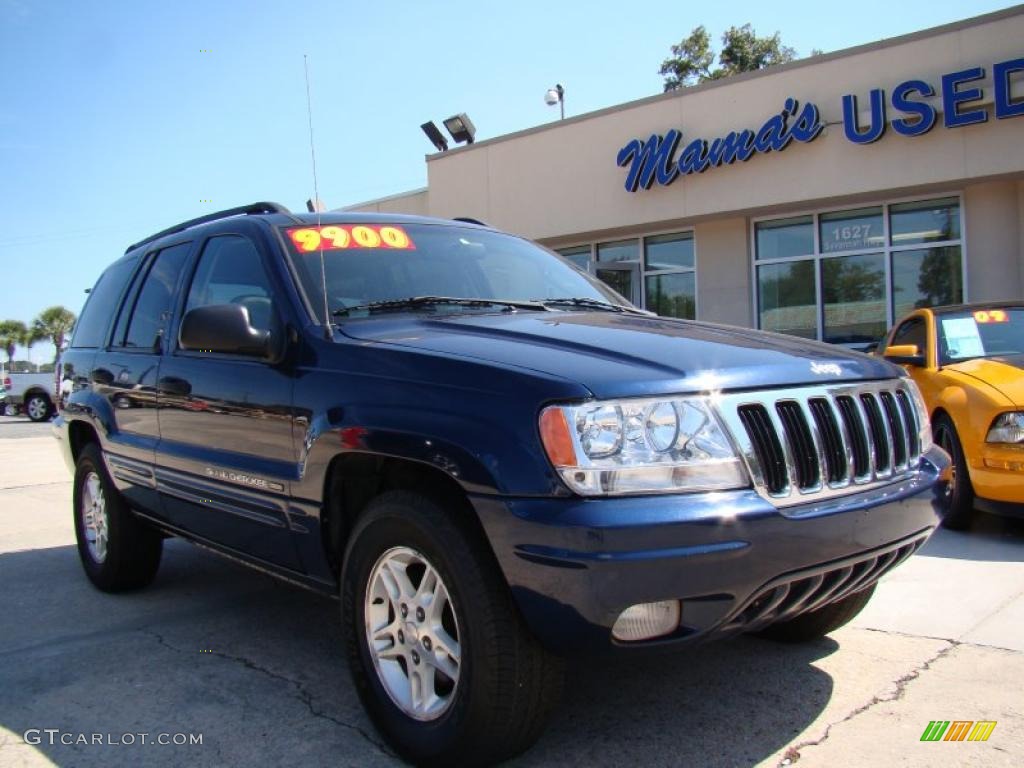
119,551
817,624
959,496
38,407
496,697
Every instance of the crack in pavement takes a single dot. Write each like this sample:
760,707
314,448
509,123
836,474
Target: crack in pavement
968,643
306,697
792,754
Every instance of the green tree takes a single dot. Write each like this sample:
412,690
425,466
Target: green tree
54,323
12,335
742,51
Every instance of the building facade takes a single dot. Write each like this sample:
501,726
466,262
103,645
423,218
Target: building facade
823,198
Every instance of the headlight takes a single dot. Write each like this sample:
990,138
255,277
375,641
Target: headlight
925,432
640,446
1007,428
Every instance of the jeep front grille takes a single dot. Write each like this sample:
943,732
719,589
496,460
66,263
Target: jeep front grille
807,443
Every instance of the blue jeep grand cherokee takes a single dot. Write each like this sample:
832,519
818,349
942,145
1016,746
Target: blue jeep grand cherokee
490,456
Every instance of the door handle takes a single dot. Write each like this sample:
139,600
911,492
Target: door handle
101,376
172,385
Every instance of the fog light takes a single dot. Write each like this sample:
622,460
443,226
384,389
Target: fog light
646,620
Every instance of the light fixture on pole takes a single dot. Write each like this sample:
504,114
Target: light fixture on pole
436,137
554,96
461,128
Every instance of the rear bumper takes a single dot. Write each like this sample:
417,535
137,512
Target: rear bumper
575,564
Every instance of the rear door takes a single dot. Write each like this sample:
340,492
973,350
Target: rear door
125,374
226,457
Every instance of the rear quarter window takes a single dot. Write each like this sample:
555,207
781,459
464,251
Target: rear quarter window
101,306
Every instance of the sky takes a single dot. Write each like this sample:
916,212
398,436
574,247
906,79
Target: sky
118,119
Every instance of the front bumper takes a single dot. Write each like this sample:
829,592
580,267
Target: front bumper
575,564
998,473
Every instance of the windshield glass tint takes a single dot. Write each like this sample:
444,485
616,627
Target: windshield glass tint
436,261
980,333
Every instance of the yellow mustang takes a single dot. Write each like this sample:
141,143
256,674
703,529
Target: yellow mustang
968,361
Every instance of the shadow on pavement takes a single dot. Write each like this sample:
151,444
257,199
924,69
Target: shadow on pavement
990,538
254,664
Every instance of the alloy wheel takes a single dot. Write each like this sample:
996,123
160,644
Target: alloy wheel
94,517
412,633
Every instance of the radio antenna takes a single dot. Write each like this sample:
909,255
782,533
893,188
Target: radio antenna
316,201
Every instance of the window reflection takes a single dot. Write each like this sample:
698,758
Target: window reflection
786,297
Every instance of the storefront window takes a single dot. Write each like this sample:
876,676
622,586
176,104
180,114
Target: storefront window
853,293
622,250
786,298
931,221
926,277
865,268
672,294
782,238
657,273
580,256
669,251
851,230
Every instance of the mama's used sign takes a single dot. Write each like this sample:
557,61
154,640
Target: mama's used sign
658,158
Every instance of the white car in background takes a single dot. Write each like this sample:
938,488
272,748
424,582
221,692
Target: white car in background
31,393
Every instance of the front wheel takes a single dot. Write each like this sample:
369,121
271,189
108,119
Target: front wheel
959,495
38,407
818,623
438,652
119,551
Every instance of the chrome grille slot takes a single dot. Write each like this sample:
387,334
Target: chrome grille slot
772,461
831,438
879,434
899,434
857,436
807,443
801,445
913,438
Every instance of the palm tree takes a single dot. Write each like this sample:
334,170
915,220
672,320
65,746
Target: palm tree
54,323
13,333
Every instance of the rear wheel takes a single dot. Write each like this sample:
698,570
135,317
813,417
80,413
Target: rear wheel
439,654
959,496
118,550
38,407
817,624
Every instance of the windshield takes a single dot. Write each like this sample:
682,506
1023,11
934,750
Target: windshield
980,333
366,264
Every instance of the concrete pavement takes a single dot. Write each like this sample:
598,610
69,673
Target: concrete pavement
252,664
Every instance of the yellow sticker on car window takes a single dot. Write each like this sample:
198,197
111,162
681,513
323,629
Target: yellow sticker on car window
339,237
991,316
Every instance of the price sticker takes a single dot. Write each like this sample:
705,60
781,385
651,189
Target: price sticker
983,316
340,237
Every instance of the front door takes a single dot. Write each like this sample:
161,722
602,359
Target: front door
226,457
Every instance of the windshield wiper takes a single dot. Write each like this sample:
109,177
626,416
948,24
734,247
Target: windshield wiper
427,301
591,304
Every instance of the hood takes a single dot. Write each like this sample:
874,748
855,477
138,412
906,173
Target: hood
1005,374
621,355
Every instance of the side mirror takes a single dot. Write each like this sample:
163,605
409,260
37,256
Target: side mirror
904,354
226,328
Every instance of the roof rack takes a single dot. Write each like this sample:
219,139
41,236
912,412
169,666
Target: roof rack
241,210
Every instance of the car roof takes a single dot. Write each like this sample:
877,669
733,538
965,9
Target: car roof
976,305
278,215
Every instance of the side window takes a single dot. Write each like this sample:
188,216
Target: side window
912,332
230,271
153,304
90,331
